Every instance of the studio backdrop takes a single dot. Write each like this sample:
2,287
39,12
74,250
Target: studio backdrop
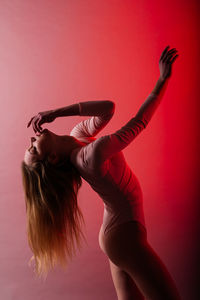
56,53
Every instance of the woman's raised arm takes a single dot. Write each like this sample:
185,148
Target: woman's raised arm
101,110
108,145
149,107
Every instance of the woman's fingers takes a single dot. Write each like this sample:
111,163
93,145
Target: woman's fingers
34,127
29,123
173,59
172,50
169,55
33,124
165,56
36,123
168,59
164,52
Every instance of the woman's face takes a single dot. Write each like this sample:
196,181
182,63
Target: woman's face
40,145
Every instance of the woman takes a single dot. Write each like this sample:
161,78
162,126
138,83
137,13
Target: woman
52,170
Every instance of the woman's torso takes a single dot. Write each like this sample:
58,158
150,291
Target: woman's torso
115,183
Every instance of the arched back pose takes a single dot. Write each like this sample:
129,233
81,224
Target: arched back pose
52,170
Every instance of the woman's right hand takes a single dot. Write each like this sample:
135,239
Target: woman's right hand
165,62
41,118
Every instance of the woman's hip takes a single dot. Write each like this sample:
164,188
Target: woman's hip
122,239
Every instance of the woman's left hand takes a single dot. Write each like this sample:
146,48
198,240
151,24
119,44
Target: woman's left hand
166,60
41,118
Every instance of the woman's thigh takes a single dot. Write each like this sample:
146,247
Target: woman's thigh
125,286
128,248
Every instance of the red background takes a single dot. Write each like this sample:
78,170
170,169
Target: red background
55,53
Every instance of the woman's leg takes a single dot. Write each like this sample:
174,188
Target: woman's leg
125,287
127,247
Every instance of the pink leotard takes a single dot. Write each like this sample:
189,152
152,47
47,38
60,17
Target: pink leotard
102,164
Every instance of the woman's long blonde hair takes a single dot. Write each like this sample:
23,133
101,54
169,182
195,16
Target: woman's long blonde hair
54,219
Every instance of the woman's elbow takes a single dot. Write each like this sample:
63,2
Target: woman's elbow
111,106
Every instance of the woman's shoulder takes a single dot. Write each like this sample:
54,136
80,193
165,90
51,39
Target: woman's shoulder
80,155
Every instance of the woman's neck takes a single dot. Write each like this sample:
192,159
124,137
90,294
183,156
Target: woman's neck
68,144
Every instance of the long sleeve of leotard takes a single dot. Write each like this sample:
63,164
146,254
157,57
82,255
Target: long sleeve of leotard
108,145
101,112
